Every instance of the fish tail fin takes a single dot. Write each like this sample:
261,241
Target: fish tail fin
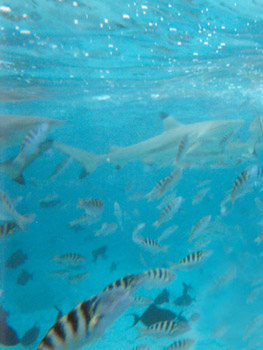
172,265
156,224
13,170
136,319
165,248
23,220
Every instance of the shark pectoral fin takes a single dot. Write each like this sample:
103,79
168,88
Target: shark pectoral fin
83,174
170,123
20,180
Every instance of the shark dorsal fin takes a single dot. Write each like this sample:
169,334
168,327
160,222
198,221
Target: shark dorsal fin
170,123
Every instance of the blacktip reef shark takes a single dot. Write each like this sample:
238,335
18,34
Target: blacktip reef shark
204,147
13,130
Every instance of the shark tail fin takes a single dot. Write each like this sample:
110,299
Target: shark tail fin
89,161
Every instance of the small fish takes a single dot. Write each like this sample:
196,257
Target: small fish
24,277
166,200
239,185
30,336
8,212
200,195
192,259
150,244
118,214
254,325
113,267
199,227
165,329
8,336
16,259
259,238
158,277
182,148
83,219
79,277
167,233
61,167
185,299
50,201
164,185
8,228
99,253
60,273
141,347
224,140
31,142
203,183
180,344
92,207
162,298
137,230
70,259
169,211
152,315
254,294
106,229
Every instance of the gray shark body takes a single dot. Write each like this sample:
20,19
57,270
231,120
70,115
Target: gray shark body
204,144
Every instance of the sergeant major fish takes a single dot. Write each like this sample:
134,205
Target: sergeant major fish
191,260
165,329
151,245
87,322
31,142
70,259
180,344
9,213
164,185
199,227
168,212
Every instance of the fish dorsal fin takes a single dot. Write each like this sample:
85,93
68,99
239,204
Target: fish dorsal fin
170,123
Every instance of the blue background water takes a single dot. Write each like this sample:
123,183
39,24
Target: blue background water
109,77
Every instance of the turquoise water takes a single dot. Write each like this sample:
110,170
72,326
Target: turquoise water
115,73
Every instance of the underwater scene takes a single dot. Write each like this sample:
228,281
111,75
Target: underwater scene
131,174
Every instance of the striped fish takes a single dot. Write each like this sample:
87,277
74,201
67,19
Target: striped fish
31,142
9,213
61,167
165,329
164,185
79,277
182,148
150,244
168,212
87,322
158,277
239,185
199,227
85,219
70,259
92,207
8,228
141,347
180,344
192,259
